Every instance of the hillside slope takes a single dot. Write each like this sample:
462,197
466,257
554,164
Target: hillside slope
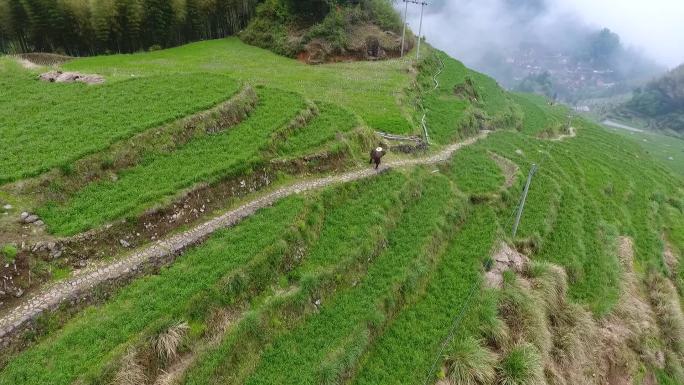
659,104
411,275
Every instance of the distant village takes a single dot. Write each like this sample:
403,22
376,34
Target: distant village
567,72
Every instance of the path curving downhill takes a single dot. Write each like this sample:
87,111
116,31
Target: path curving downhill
19,318
572,132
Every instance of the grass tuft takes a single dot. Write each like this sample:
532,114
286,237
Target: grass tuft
468,362
668,310
131,372
168,342
9,253
521,366
525,313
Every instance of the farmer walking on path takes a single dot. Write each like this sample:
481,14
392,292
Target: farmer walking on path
376,156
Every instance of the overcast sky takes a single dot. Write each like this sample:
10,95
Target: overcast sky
655,27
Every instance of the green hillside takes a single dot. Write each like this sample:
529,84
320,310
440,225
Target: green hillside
379,280
668,149
370,89
658,104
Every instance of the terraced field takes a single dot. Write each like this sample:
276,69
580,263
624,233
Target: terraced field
372,90
158,177
45,125
539,116
668,149
462,101
373,281
331,120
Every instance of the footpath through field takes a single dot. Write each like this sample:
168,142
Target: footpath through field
17,318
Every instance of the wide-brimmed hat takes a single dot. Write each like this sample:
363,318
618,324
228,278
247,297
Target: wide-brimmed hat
379,149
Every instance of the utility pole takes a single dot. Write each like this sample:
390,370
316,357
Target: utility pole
403,34
420,29
524,198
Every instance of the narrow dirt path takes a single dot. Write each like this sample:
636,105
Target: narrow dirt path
508,168
571,134
17,319
613,124
26,64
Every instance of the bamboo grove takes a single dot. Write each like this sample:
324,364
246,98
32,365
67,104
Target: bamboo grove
87,27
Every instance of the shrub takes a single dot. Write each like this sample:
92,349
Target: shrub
10,253
384,15
269,29
309,10
67,169
333,29
330,21
488,263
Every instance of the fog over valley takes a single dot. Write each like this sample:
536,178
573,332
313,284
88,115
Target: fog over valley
512,39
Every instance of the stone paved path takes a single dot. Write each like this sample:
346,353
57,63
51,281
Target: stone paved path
18,318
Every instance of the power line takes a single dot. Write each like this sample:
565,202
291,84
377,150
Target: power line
420,28
518,210
454,326
521,204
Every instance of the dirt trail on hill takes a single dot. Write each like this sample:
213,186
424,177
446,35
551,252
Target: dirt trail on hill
508,168
613,124
26,64
571,134
20,318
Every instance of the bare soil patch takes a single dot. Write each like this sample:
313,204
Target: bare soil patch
509,169
71,77
506,258
670,258
626,252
